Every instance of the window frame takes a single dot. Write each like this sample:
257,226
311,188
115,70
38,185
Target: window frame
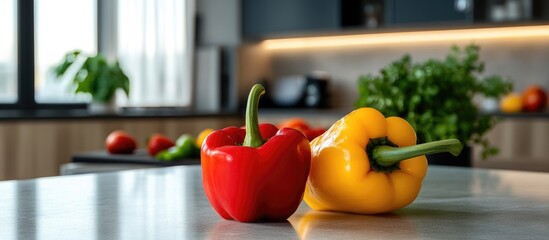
26,62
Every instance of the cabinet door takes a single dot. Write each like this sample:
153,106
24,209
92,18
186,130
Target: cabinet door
263,18
430,11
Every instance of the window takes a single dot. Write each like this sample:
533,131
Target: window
154,48
151,39
8,57
61,26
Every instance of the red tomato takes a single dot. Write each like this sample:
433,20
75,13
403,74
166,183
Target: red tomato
159,142
302,125
314,132
534,99
120,142
295,123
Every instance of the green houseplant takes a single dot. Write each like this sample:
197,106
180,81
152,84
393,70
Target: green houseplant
93,75
436,96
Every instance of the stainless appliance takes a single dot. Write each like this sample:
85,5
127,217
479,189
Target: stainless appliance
302,91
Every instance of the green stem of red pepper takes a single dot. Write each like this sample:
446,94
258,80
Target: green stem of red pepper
386,155
253,135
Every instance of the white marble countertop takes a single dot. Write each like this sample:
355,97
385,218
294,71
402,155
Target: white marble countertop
169,203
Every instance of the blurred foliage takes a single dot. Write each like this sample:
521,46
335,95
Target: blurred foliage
95,76
436,96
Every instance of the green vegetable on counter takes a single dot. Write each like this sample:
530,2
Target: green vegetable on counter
185,147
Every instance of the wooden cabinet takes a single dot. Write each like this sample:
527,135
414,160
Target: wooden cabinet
30,149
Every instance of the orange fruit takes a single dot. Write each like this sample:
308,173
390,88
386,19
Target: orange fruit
202,135
511,103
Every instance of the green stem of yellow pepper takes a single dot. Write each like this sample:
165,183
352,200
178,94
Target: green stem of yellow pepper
253,135
387,155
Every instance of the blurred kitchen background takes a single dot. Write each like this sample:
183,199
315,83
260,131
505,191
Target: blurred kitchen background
191,64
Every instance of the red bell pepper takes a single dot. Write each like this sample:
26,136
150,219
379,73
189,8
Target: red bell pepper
257,173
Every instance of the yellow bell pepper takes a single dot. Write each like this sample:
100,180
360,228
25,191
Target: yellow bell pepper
202,135
366,163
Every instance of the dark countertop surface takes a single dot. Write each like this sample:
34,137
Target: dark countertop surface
65,114
169,203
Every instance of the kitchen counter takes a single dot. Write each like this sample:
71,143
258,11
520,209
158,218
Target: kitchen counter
169,203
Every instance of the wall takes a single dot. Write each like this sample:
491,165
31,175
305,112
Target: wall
30,149
522,60
218,35
219,22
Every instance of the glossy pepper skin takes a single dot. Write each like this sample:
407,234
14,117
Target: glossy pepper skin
345,178
262,182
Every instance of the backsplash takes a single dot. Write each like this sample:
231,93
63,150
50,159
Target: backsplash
525,61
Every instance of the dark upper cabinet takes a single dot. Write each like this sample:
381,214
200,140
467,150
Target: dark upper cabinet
384,13
261,18
269,18
406,12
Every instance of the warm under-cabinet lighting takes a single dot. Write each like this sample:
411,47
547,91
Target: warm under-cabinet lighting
408,37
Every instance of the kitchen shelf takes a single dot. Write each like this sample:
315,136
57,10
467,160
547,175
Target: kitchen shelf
525,115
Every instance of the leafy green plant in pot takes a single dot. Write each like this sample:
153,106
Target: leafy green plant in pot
436,98
95,76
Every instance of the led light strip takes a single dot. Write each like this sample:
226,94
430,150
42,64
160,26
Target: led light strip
408,37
